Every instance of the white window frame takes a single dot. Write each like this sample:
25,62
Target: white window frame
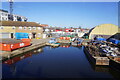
25,28
20,27
30,28
39,28
34,28
1,27
13,27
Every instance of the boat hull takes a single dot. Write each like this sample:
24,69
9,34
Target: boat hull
114,64
102,61
76,45
53,44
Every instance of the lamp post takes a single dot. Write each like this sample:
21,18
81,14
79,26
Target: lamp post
11,9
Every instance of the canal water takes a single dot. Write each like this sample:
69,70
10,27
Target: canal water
60,62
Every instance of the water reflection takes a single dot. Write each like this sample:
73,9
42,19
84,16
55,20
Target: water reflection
105,69
57,62
65,45
23,56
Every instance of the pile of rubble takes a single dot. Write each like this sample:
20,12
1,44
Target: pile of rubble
103,48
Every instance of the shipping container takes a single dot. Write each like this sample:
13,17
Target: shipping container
11,44
20,35
26,40
67,38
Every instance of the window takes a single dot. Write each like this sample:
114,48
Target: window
2,14
1,27
39,28
6,19
25,28
5,14
20,27
34,28
29,28
3,18
13,27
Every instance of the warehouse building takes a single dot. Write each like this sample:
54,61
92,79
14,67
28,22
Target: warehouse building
104,30
9,28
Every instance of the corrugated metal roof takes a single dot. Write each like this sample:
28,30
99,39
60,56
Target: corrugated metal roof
9,41
119,30
19,23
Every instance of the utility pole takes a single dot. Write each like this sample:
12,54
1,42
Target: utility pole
11,9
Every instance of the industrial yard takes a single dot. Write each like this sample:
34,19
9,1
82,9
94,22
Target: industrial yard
59,40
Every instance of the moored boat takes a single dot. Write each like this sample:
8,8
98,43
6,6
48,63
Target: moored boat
53,42
115,62
76,42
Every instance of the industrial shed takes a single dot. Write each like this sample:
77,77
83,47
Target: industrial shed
104,30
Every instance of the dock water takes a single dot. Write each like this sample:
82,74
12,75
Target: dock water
35,43
95,59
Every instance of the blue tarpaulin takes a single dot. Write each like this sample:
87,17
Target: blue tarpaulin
115,41
101,39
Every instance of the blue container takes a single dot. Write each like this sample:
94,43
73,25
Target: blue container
20,35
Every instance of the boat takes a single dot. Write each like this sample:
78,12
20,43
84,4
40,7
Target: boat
76,42
95,59
115,62
53,42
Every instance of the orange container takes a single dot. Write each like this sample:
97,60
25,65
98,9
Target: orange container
11,44
25,39
69,38
5,47
15,46
26,43
64,38
10,47
60,37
